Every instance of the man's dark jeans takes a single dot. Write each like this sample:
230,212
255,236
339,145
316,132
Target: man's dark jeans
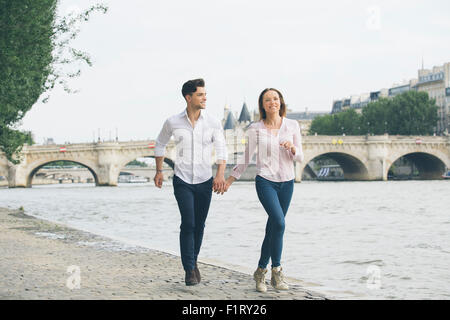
193,202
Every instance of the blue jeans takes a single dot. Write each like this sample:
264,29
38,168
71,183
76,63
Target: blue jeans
275,198
193,201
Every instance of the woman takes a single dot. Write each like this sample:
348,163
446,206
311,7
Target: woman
277,141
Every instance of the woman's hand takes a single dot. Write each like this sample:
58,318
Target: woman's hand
288,146
228,182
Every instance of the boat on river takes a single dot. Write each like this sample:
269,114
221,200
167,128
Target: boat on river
132,179
446,175
330,173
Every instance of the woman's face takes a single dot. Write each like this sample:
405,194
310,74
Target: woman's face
271,102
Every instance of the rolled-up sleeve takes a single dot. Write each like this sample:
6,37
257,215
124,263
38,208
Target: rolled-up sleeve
299,156
220,144
163,139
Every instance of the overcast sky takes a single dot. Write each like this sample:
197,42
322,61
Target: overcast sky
313,52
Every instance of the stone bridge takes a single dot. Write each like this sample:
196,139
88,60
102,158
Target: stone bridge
363,158
371,157
104,160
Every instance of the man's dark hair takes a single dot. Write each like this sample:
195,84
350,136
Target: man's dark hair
191,86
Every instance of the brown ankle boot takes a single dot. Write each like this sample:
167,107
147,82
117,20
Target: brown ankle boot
190,279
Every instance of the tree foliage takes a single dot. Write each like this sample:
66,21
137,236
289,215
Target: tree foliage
137,163
35,55
348,122
26,30
410,113
63,163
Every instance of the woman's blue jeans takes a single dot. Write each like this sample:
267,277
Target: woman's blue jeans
275,198
193,201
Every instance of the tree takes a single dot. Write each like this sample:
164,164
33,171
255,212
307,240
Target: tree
376,117
137,163
348,122
410,113
63,163
26,29
322,125
413,113
34,50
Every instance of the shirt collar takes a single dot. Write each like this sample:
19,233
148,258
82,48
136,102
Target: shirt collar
184,114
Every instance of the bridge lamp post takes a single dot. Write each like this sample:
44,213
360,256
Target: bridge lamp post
368,128
385,127
343,131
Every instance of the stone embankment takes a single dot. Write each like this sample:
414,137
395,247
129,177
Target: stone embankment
44,260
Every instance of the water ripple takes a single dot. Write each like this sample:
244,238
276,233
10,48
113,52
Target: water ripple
379,263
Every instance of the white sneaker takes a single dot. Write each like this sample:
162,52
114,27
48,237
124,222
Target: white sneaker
259,277
277,280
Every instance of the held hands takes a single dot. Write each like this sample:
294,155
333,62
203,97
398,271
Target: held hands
221,185
228,182
288,146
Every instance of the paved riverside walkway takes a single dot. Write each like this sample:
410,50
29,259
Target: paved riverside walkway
36,254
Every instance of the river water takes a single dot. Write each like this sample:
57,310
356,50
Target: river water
351,240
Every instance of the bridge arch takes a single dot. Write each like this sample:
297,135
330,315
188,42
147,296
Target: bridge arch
353,167
37,167
128,159
430,166
124,161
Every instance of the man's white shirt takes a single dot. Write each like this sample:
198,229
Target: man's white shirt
193,145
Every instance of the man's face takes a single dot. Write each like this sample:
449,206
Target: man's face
198,99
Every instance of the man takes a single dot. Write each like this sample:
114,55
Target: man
194,132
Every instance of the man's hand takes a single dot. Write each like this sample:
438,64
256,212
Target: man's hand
159,177
219,184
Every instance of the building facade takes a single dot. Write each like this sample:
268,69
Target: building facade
304,119
436,82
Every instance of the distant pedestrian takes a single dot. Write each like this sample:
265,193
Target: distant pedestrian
195,132
277,142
